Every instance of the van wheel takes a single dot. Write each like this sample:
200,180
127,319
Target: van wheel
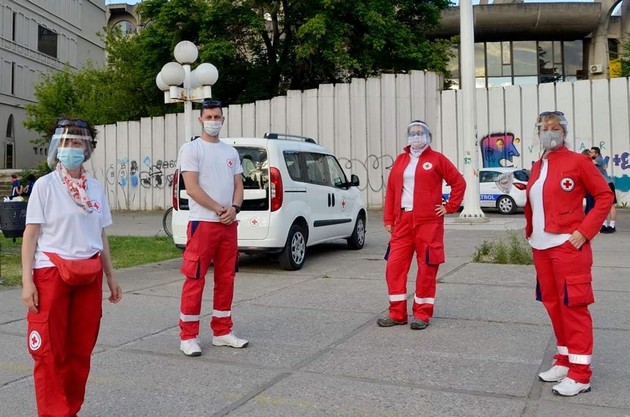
506,205
294,253
357,240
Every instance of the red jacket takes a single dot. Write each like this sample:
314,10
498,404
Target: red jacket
570,176
433,168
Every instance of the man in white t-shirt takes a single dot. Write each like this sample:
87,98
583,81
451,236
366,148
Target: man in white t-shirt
211,170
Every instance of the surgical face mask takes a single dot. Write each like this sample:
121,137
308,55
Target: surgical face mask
551,139
418,141
212,128
71,158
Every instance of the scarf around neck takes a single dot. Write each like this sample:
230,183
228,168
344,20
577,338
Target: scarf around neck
77,187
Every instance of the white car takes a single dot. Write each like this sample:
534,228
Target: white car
500,188
295,195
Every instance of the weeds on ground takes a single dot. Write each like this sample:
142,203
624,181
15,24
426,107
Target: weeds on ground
513,249
126,251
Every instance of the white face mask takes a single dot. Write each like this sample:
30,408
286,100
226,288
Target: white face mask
418,141
551,139
212,128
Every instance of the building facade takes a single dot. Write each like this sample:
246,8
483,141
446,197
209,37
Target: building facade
38,37
519,43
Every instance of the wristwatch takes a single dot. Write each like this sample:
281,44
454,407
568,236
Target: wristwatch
236,208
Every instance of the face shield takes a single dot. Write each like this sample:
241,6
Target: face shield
71,144
418,134
551,130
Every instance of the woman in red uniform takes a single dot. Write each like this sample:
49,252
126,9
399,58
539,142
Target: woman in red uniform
559,233
64,255
414,215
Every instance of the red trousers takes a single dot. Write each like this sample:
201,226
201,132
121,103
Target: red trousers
427,241
564,278
208,243
61,337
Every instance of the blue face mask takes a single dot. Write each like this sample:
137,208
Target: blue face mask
70,158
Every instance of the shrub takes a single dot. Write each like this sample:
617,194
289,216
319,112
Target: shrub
512,249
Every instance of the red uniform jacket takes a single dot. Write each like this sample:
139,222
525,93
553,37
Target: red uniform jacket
432,169
570,176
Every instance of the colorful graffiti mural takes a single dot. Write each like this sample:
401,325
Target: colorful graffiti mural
499,149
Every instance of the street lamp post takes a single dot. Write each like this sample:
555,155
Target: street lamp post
197,84
472,210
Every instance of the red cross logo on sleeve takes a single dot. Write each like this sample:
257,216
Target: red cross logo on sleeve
230,163
567,184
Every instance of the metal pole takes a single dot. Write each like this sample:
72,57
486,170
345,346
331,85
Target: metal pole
472,210
188,122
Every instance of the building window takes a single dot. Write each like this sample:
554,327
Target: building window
47,42
13,78
125,27
523,62
13,29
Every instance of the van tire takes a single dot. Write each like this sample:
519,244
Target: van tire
357,239
293,255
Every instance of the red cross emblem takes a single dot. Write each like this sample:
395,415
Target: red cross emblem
230,163
254,221
34,340
343,204
567,184
427,166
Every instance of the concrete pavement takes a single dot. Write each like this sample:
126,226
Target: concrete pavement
315,349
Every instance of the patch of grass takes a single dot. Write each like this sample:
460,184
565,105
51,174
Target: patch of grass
126,251
513,249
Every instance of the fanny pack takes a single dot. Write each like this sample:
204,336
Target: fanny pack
77,272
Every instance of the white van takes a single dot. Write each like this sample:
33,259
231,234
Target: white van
296,195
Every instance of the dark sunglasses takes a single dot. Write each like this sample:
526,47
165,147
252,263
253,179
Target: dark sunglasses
551,113
73,122
211,104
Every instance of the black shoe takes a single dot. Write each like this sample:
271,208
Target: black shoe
605,229
389,322
418,324
611,229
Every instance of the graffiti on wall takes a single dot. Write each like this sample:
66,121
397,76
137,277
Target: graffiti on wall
125,178
499,149
370,171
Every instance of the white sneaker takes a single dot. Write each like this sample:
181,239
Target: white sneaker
555,374
190,347
230,340
569,388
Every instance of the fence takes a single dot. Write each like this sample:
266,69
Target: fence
364,123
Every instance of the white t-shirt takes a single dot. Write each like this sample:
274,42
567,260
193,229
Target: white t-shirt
64,228
409,181
540,239
217,164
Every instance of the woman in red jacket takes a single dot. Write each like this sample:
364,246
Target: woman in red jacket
559,233
414,215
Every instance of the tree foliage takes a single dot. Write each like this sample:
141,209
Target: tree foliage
262,48
625,58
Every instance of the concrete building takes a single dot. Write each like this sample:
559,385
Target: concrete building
531,43
37,37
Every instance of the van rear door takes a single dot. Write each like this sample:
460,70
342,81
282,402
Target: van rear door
255,210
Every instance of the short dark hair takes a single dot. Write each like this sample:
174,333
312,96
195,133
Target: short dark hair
211,104
596,149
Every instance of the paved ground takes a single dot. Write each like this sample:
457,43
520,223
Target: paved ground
315,349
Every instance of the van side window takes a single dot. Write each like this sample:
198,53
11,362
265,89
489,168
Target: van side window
316,170
291,159
335,172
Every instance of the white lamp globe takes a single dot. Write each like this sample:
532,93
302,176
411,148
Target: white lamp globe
173,73
160,82
193,80
186,52
206,74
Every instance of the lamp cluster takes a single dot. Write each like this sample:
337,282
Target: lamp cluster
197,84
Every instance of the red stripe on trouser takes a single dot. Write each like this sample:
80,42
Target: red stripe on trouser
405,240
67,323
211,243
573,326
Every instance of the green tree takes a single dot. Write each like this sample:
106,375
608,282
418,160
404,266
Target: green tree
625,58
262,48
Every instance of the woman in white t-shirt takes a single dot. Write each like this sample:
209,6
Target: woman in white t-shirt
64,255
